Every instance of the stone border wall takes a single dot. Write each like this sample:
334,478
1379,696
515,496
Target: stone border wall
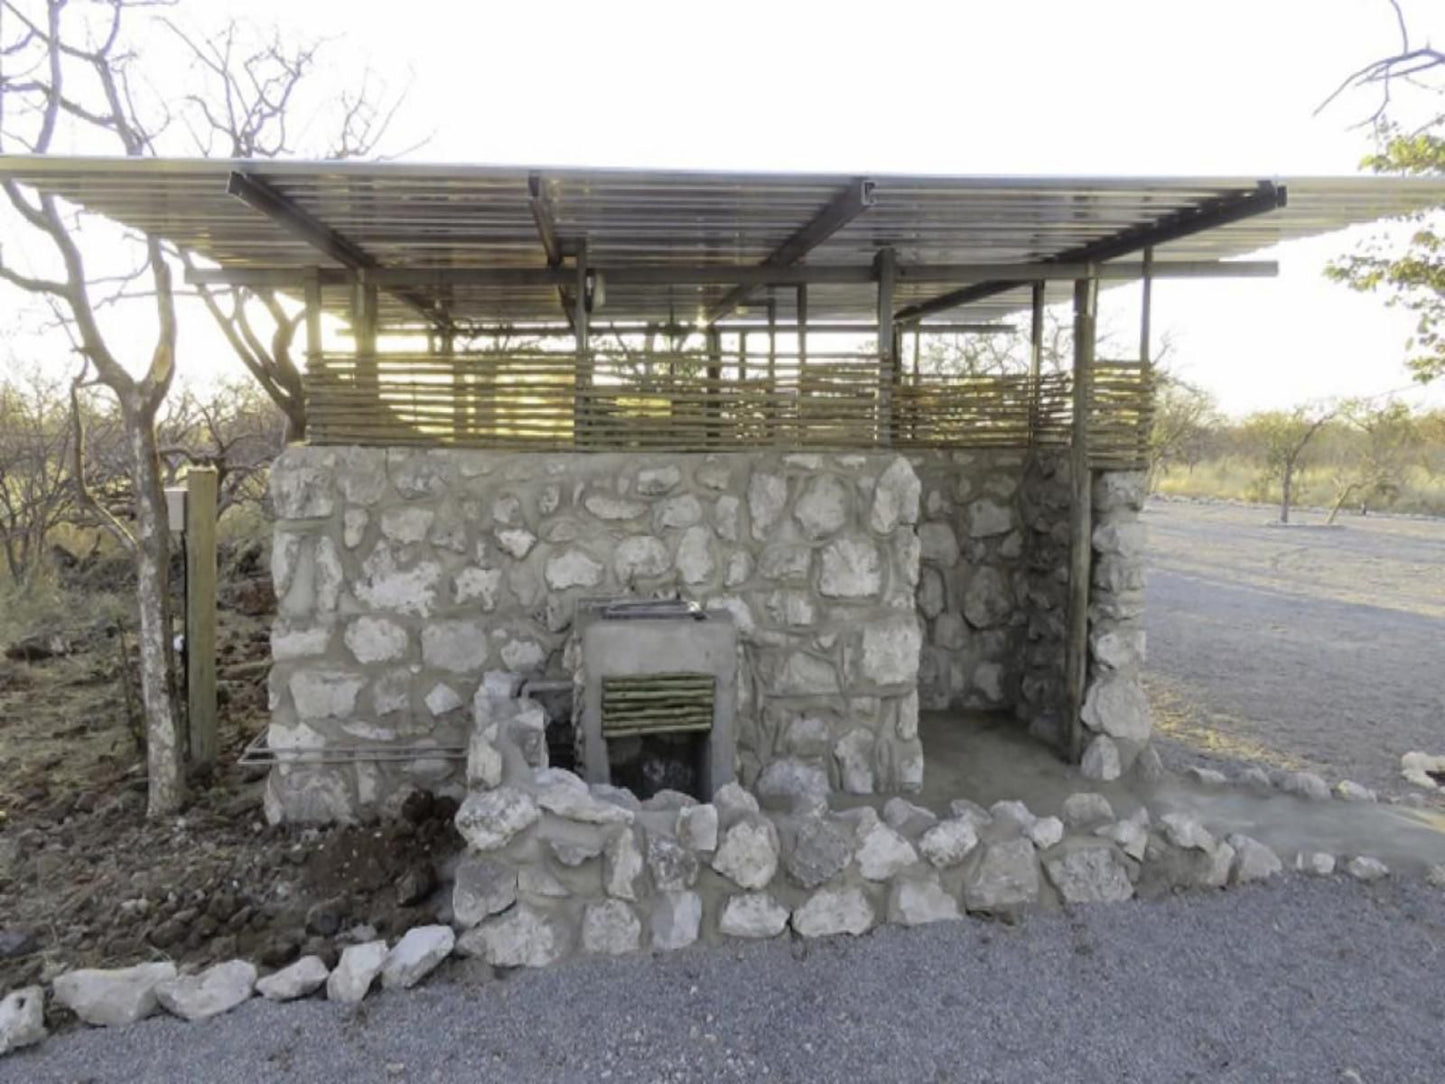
404,575
973,547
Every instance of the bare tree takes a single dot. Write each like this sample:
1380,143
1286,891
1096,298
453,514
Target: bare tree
1184,415
36,490
66,62
1411,64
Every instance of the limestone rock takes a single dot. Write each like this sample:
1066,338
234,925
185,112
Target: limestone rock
458,645
748,852
1253,861
676,919
949,842
694,559
217,989
889,650
1206,776
1349,791
932,594
489,819
1128,835
754,915
1101,760
906,818
1086,809
1363,868
1255,778
109,998
576,803
573,852
1305,785
572,568
355,971
618,796
790,777
883,853
988,600
1005,877
732,801
854,756
610,928
1115,705
22,1018
1046,832
523,937
325,694
970,811
1183,830
820,850
605,506
850,568
917,900
822,510
697,827
895,497
622,865
301,979
1118,648
938,544
1012,811
673,867
640,556
831,911
1089,872
420,951
669,801
1315,863
484,762
516,542
1421,769
767,494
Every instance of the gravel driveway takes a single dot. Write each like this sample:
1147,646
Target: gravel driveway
1292,982
1302,646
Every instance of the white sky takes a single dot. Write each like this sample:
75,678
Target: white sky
957,86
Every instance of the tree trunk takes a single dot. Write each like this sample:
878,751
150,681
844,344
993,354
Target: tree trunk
164,756
1285,495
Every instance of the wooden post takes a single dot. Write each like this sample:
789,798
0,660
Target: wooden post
581,381
201,613
885,263
1081,515
1146,359
1036,361
714,378
802,327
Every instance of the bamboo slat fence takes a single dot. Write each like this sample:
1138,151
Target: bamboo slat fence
538,400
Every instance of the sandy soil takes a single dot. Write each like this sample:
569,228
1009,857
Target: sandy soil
1303,646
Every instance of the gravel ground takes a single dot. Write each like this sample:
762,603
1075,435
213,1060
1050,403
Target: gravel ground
1299,646
1298,981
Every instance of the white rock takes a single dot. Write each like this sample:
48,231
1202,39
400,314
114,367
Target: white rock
1014,812
949,842
523,937
484,762
22,1018
215,990
1363,868
610,928
676,919
655,481
987,518
853,753
1089,873
325,694
694,559
988,600
938,544
1101,760
1206,776
970,811
607,507
407,523
355,971
640,556
301,979
489,819
479,585
420,951
516,542
850,568
790,777
1253,861
748,853
572,568
767,494
568,801
1130,836
1005,878
1115,705
1349,791
442,699
822,509
622,865
1221,863
1046,832
1305,785
889,650
883,852
673,867
108,998
753,914
1086,809
458,645
732,801
915,901
895,497
1315,863
697,827
831,911
1419,769
1183,830
906,818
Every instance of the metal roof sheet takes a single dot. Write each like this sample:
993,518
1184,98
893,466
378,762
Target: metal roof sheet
464,216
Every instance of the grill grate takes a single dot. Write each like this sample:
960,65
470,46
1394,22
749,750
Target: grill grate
657,704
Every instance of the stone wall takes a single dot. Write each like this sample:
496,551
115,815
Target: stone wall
972,541
404,575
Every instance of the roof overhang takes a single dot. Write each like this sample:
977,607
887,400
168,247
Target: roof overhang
487,244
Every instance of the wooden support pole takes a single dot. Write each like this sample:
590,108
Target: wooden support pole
886,264
201,495
714,379
1036,361
802,325
582,378
1081,516
364,303
1146,348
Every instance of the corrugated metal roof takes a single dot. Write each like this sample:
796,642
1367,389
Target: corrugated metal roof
462,216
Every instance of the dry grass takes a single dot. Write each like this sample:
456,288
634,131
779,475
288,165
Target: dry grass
1236,479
